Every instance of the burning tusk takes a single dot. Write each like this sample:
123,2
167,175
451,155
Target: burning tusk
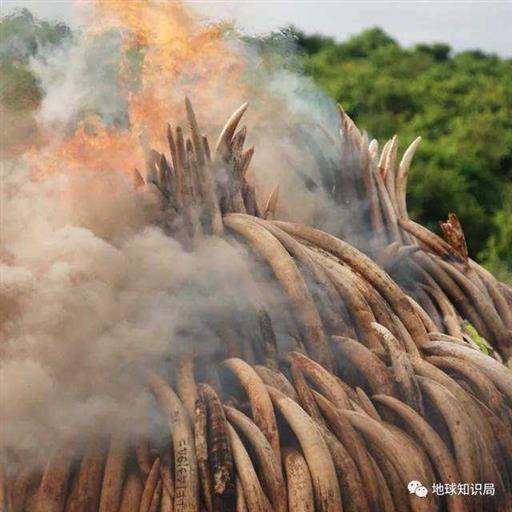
150,487
261,405
113,475
270,207
432,444
186,477
402,369
498,373
254,497
224,140
368,269
220,459
401,178
300,487
132,493
325,381
291,280
316,452
85,492
51,494
270,468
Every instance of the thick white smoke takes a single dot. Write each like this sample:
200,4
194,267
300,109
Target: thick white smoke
92,292
91,297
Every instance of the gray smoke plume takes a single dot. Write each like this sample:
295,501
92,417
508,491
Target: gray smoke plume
92,291
92,297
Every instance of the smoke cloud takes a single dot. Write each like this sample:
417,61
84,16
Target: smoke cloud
93,292
92,297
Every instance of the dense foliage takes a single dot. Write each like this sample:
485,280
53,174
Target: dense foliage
20,38
461,104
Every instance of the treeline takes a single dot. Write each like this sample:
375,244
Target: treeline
21,37
460,103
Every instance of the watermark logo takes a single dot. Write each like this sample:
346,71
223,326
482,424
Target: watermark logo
452,489
416,487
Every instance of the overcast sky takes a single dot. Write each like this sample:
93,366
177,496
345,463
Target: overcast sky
463,24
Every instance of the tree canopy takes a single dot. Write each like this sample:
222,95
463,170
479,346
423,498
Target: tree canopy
460,103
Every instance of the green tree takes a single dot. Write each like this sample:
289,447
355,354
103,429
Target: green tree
21,37
460,103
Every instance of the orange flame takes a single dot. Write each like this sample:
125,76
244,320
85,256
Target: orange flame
179,56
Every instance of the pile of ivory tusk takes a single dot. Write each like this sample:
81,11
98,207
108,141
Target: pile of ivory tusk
384,384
